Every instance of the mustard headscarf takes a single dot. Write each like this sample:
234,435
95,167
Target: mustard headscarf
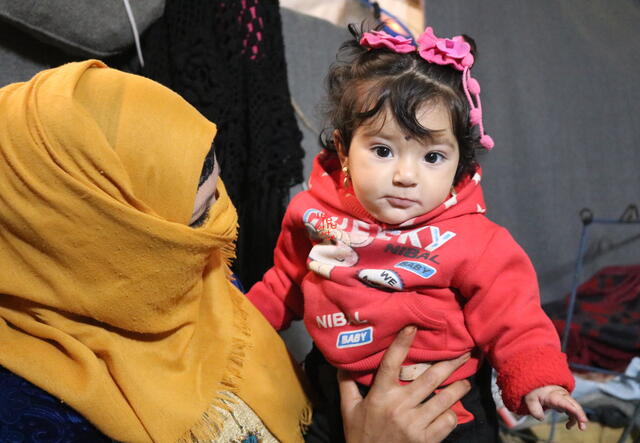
108,300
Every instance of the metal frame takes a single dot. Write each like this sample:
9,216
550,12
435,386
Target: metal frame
629,217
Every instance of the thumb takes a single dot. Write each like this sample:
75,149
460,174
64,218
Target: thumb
349,394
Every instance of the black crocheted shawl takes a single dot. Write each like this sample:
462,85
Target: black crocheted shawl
227,59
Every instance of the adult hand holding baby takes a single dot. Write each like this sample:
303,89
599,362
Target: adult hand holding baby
396,413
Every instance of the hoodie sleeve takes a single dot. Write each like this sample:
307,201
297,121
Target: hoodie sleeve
278,295
504,316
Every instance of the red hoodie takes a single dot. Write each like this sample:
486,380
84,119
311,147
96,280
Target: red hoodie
460,278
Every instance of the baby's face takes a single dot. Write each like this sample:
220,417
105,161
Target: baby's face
397,178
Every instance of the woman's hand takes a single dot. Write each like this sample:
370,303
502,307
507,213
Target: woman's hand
395,413
558,398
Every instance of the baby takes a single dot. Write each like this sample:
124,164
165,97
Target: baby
393,232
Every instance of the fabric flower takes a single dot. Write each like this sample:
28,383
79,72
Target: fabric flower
443,51
380,39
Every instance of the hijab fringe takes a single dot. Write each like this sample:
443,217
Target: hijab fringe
228,253
210,424
304,421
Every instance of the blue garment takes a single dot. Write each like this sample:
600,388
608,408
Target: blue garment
30,415
236,282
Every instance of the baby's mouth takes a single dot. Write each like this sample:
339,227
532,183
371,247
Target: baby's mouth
402,203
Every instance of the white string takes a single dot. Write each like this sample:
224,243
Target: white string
134,28
305,120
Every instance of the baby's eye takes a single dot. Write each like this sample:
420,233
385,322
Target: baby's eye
382,151
433,157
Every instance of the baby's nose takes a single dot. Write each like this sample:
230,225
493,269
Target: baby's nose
405,174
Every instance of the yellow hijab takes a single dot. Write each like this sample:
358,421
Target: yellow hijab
109,300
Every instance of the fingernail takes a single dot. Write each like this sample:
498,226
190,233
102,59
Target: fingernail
410,330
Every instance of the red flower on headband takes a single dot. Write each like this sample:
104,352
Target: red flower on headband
444,51
380,39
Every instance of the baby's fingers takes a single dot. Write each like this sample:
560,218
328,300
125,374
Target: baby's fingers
573,409
535,408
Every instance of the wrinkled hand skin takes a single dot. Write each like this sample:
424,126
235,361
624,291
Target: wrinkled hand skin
558,398
392,412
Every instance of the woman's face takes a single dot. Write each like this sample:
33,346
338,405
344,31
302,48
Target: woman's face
206,195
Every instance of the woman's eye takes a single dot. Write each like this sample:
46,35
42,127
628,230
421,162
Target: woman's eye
433,157
382,151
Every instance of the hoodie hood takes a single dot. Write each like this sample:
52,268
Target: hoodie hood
326,184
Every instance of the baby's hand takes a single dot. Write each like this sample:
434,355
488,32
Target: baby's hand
558,398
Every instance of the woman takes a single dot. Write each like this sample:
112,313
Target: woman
113,303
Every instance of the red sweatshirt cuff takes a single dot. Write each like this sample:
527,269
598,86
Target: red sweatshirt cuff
529,370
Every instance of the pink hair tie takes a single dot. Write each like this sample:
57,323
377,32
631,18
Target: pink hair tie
380,39
441,51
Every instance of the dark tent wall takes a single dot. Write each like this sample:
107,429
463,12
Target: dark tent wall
561,99
310,46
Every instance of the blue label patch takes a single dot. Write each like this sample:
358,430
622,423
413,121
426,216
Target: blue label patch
352,339
418,268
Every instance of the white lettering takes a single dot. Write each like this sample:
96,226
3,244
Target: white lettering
343,223
412,236
356,319
438,240
339,319
321,321
357,225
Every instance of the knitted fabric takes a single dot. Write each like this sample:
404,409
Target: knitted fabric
227,59
26,410
605,329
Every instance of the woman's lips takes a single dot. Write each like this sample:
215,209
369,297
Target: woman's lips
401,203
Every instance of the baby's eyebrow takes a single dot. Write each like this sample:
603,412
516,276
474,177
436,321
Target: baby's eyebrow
444,143
442,140
437,137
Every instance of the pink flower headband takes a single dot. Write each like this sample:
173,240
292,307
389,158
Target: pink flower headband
441,51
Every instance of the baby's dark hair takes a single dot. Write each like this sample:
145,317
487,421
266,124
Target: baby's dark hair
363,81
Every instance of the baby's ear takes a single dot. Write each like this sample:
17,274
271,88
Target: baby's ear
340,148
